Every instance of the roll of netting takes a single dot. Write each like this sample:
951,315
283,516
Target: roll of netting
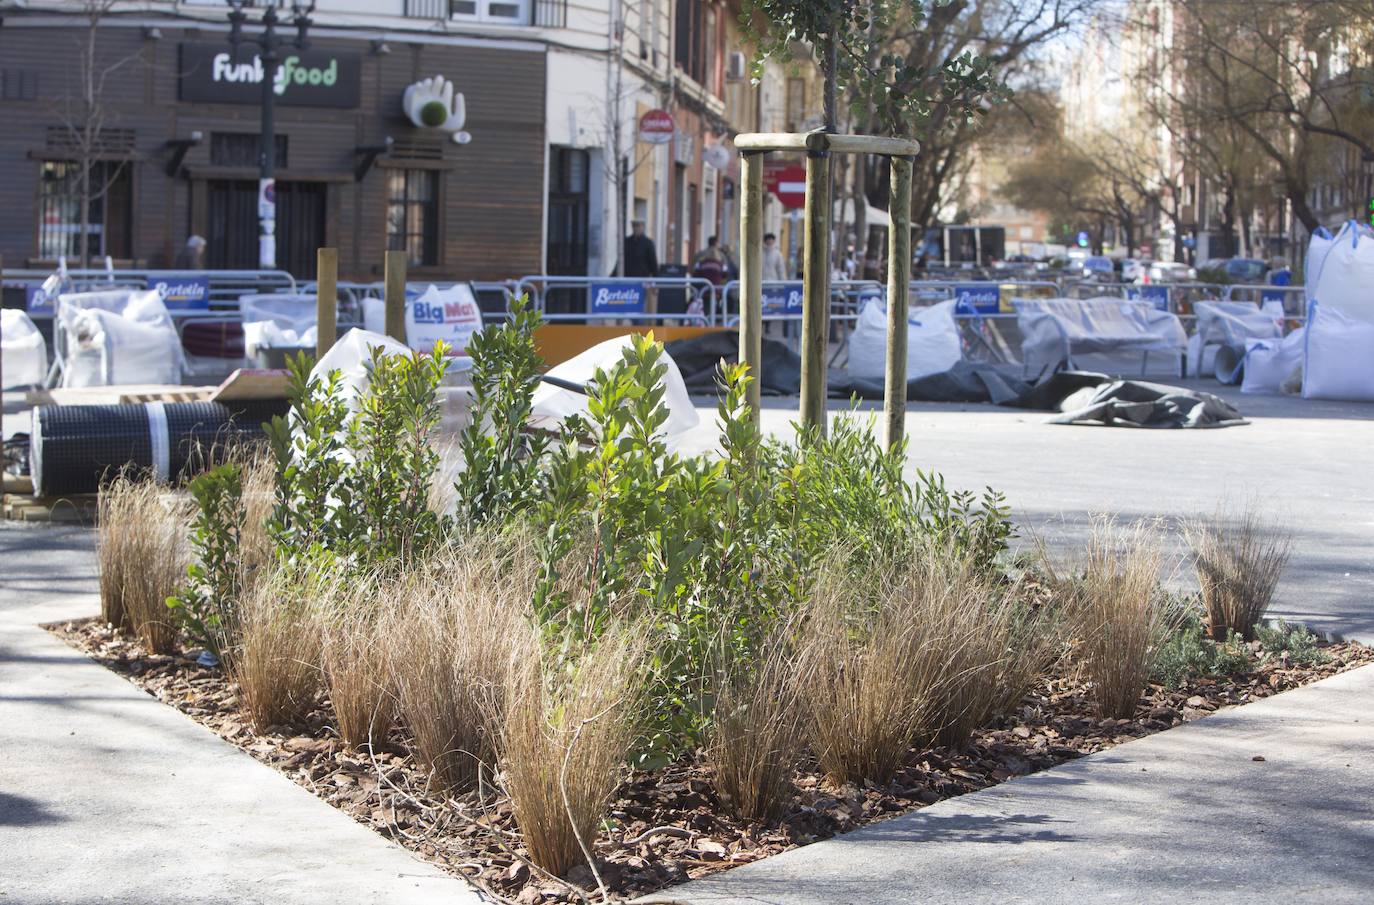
74,447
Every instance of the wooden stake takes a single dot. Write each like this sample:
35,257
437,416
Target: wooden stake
898,286
815,289
326,300
751,275
395,296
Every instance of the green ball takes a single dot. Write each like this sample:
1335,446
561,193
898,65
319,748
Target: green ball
434,113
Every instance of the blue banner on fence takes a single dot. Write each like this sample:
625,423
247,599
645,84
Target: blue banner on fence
1157,294
983,299
782,298
616,298
36,298
182,291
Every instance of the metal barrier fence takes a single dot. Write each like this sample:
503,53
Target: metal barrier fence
591,299
222,290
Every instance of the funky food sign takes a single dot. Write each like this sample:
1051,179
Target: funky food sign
307,78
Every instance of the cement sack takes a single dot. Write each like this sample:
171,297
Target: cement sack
450,314
24,354
1272,363
1227,325
112,341
553,404
1338,356
933,342
1345,275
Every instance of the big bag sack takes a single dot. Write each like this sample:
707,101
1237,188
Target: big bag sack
1345,274
1338,356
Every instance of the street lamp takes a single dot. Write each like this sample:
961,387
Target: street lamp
268,42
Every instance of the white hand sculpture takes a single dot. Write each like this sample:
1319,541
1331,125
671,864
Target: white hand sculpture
432,104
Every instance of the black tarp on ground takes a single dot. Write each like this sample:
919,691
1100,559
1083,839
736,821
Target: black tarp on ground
1083,397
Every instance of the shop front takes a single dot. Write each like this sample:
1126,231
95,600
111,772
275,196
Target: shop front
434,148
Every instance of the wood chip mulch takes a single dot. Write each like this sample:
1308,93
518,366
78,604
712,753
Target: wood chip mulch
668,826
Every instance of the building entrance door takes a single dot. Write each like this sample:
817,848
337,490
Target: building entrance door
232,225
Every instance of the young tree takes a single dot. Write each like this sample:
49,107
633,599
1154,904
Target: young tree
86,113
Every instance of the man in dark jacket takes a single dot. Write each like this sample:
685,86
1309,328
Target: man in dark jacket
640,256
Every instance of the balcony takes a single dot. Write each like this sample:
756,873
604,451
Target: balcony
539,13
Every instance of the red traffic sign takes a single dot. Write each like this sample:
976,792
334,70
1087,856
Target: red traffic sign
788,184
656,127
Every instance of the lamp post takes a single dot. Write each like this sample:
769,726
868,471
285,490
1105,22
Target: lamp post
268,43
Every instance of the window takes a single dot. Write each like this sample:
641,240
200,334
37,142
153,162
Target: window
240,149
59,209
796,103
707,65
569,208
513,12
412,214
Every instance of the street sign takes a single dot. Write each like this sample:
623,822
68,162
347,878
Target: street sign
656,127
789,185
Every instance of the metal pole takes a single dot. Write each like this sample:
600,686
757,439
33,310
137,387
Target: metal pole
815,288
751,275
395,295
898,285
267,154
326,300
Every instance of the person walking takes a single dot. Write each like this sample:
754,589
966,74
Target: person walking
710,262
192,254
774,267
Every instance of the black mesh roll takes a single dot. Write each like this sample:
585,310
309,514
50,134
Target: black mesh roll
76,446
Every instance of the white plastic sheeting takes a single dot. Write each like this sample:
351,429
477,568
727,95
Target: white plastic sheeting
23,350
118,337
1344,277
349,356
933,343
278,320
553,404
450,314
1338,359
1227,324
1273,364
1070,331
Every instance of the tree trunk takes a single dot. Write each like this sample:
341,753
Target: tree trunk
829,62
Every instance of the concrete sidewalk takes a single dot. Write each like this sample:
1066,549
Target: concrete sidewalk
108,795
1185,816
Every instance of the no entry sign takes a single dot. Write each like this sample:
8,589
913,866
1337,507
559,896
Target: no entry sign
789,185
656,127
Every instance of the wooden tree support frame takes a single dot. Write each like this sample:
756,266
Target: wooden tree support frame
818,146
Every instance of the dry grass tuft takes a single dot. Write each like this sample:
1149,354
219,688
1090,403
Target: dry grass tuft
1239,563
142,551
448,650
920,651
759,733
257,553
564,737
354,661
276,662
1121,613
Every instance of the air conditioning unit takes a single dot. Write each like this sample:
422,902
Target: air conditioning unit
736,66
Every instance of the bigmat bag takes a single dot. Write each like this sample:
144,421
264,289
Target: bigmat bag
1338,358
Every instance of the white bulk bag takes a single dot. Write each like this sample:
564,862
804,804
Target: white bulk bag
1345,276
1232,324
350,356
1338,356
278,320
23,350
552,404
933,343
118,338
450,314
1272,363
1317,247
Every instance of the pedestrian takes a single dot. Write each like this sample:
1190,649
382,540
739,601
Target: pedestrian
640,256
774,267
192,254
710,263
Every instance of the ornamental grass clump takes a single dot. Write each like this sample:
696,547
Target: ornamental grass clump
1122,615
353,658
564,734
142,553
448,637
276,660
758,735
1239,563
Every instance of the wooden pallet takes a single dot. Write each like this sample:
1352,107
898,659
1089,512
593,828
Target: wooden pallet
80,508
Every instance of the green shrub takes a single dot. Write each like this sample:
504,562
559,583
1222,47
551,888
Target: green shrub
1188,653
1294,640
207,608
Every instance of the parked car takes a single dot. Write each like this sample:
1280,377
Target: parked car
1170,272
1237,270
1100,268
1132,268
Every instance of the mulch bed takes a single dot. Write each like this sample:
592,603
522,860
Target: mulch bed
665,827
